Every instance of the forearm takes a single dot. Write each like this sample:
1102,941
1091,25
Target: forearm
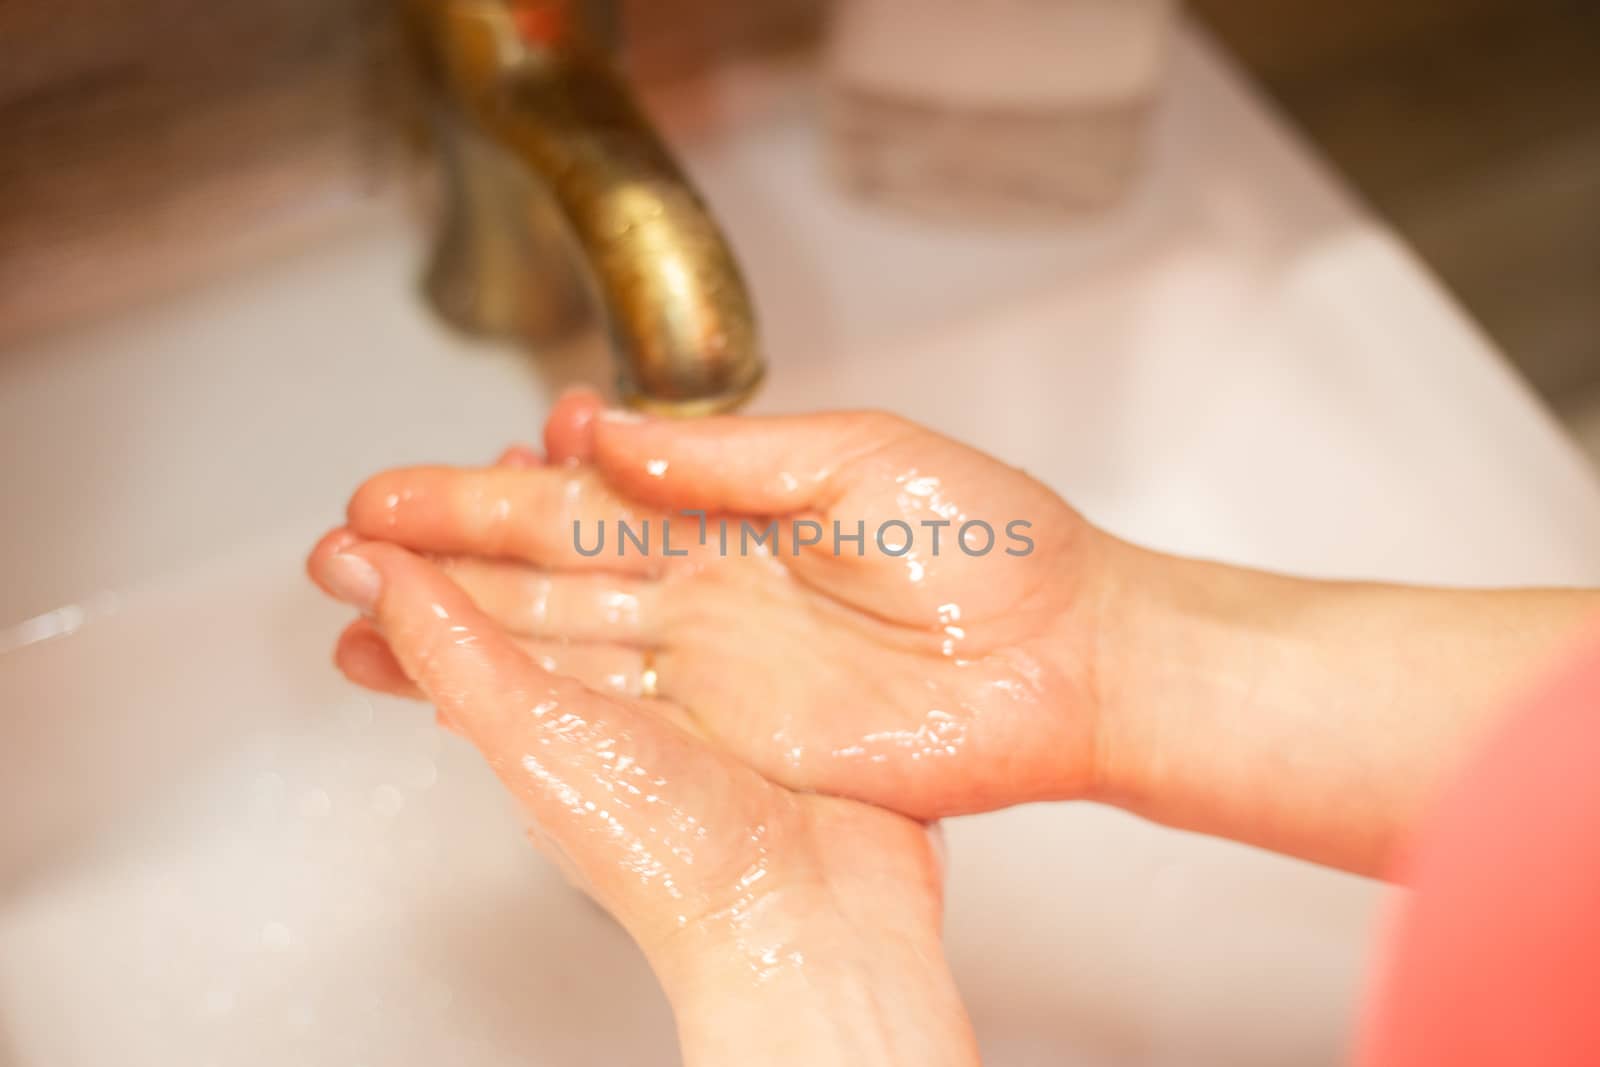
1311,718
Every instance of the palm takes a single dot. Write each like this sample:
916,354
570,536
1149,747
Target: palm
680,835
932,682
910,681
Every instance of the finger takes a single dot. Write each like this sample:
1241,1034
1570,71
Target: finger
364,657
519,457
569,431
739,464
456,655
538,515
575,607
589,768
333,542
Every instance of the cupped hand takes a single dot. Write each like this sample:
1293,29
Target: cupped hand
730,883
944,662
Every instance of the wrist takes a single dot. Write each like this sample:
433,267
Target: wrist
1173,643
1257,707
1106,636
1307,717
799,979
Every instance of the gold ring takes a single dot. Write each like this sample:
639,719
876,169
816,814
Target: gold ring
649,681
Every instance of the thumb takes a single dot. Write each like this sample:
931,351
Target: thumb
775,465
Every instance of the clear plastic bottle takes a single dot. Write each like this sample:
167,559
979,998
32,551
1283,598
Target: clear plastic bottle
1012,110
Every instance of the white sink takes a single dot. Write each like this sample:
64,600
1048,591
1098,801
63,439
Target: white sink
216,852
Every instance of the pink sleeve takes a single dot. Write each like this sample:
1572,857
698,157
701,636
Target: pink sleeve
1495,957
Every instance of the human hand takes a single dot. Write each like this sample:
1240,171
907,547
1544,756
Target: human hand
785,928
1313,718
938,681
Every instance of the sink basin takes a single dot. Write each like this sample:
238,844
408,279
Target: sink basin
216,852
221,853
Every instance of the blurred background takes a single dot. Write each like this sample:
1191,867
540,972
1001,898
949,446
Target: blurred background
1473,126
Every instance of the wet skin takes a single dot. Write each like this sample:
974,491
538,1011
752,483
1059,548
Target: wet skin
754,817
1308,717
932,683
762,910
696,815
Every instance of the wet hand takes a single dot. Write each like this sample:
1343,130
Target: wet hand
762,910
865,609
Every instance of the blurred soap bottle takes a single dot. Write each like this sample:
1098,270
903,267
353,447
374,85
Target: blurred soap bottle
994,110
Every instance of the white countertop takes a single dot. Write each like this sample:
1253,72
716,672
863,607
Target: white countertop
1240,362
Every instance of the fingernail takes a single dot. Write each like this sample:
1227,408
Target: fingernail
354,581
621,415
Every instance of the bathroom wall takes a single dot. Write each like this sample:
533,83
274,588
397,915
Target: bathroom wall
148,144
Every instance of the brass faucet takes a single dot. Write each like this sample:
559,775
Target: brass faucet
549,165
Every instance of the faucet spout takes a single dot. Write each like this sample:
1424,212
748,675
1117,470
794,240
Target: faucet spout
537,83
